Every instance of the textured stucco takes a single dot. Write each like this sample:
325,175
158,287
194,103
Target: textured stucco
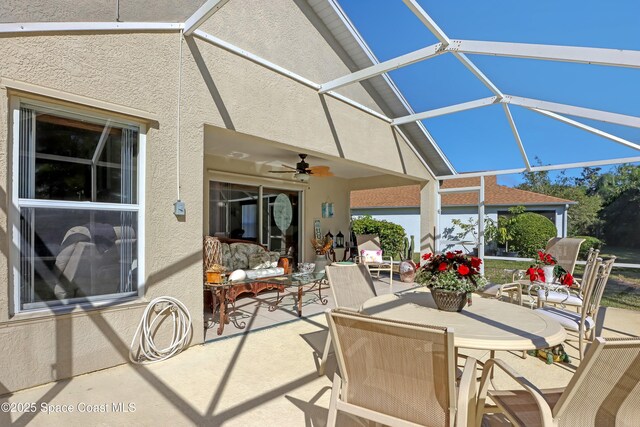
140,70
97,10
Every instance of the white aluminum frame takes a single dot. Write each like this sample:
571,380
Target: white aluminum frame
585,55
203,13
56,27
481,204
17,203
581,55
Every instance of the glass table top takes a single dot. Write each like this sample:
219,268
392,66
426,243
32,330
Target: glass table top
295,279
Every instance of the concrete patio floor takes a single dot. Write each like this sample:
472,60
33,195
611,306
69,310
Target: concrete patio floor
263,378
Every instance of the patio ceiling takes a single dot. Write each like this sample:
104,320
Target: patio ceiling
268,155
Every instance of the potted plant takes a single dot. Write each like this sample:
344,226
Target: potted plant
407,268
546,269
322,247
452,277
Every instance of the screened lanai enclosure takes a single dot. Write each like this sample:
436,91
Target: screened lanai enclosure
506,81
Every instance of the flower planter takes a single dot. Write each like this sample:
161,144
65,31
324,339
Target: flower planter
548,273
321,262
449,300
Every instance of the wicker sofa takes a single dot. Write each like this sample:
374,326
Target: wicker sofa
235,254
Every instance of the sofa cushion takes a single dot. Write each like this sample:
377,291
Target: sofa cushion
261,260
264,272
245,248
226,257
274,257
239,261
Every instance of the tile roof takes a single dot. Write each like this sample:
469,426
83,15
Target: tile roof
495,194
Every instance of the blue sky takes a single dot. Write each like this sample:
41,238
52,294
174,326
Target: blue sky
390,29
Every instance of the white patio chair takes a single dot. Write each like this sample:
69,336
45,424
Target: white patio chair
398,373
584,323
565,250
569,297
371,243
604,391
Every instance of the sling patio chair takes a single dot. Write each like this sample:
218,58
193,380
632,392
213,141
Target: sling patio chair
351,286
565,250
569,296
584,323
370,254
398,373
604,391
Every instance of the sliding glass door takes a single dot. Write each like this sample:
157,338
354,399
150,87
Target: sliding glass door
265,215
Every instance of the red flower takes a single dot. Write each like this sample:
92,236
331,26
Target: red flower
463,270
450,255
458,252
531,272
541,255
475,262
426,256
443,266
540,273
567,279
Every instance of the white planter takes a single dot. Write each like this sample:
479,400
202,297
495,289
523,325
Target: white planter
548,273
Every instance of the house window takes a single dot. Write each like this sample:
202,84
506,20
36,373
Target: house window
78,201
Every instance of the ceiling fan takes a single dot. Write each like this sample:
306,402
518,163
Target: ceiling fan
303,171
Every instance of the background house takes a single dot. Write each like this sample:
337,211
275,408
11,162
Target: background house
401,205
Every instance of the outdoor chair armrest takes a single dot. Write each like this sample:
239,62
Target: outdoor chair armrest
467,394
545,411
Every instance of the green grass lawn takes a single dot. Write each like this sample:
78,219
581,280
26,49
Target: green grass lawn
622,290
624,255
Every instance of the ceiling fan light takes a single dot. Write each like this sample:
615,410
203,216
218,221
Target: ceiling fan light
302,177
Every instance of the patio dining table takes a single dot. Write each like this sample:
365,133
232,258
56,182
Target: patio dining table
487,324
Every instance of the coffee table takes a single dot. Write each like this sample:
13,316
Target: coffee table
301,283
219,292
487,324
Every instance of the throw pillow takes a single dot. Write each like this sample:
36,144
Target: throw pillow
371,256
259,260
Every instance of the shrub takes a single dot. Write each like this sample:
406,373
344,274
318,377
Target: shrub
589,242
530,232
391,235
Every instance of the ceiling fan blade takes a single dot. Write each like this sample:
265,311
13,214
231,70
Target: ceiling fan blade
321,171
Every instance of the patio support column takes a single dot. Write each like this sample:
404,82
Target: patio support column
428,216
481,224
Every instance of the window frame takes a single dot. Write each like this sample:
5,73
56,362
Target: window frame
64,108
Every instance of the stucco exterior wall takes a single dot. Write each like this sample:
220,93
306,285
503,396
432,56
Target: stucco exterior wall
140,70
96,10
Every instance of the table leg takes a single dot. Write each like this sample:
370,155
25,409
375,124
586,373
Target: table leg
223,310
322,301
299,301
274,306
